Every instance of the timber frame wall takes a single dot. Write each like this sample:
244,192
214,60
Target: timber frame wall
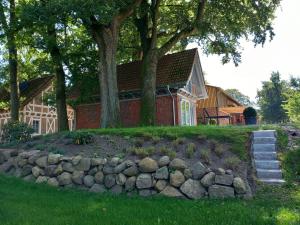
36,110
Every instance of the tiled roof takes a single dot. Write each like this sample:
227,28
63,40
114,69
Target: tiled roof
28,89
171,69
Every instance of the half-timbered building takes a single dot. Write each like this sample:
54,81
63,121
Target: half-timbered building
34,109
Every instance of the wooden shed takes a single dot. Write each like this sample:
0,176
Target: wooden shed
219,108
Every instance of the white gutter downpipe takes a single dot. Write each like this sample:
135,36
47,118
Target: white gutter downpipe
173,101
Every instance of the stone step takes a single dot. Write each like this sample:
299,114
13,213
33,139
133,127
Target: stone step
264,140
271,174
267,164
264,147
272,181
265,155
264,133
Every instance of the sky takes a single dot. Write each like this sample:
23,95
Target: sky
282,54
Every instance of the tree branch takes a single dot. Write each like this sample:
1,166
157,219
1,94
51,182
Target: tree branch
126,12
189,30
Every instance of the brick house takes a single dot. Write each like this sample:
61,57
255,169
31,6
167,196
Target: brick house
33,109
219,108
180,84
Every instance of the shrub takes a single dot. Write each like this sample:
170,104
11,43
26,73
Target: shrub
41,147
191,148
142,152
204,155
147,136
219,150
212,122
232,162
16,132
155,139
212,144
178,141
249,112
138,143
82,138
291,165
167,151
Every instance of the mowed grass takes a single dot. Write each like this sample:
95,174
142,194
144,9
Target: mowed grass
31,204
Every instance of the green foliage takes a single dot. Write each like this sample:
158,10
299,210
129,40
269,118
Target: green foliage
155,139
167,151
240,97
81,138
219,150
271,98
190,151
142,152
291,165
16,132
249,112
205,155
292,106
232,162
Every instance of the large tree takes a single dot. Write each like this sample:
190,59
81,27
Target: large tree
271,98
216,25
240,97
103,20
9,27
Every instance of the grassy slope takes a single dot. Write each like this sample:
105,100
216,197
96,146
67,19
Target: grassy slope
31,204
236,136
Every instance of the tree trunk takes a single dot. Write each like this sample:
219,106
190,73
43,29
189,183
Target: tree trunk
148,100
106,38
13,63
13,81
61,105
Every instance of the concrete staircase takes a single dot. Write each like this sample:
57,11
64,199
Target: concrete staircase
265,157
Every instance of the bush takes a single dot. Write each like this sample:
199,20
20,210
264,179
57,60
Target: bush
82,138
232,162
291,165
249,112
16,132
204,155
219,150
167,151
191,148
142,152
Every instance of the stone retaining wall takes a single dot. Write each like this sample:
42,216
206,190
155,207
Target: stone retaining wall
145,177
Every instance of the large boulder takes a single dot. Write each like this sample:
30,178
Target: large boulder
193,189
98,161
131,171
239,185
220,191
99,177
110,180
160,185
143,181
68,167
53,182
162,173
76,159
36,171
224,179
117,189
54,158
83,165
177,178
41,179
26,170
42,161
170,191
77,177
164,161
130,184
98,188
208,179
114,161
88,181
6,166
198,170
107,169
148,165
64,179
178,164
2,157
120,179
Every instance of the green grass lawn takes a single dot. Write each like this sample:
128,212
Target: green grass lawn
32,204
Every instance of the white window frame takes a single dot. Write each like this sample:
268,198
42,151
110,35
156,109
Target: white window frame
185,115
39,123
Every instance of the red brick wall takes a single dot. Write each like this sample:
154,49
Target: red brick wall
88,116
